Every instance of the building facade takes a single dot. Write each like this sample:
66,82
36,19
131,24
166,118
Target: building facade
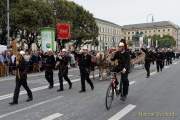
149,29
109,36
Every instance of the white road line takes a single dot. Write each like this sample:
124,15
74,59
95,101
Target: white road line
13,78
123,112
153,73
53,116
36,89
132,82
175,63
167,67
30,107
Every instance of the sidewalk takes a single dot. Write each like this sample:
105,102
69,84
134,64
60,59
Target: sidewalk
12,77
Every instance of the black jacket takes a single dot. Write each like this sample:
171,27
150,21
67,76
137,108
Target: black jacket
63,62
49,62
123,61
84,61
149,56
22,70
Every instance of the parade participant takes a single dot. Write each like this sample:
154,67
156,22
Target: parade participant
21,79
148,60
84,62
49,66
123,57
62,64
159,60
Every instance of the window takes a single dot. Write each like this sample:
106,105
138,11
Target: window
128,32
159,30
128,38
168,29
132,32
163,30
145,31
149,31
154,30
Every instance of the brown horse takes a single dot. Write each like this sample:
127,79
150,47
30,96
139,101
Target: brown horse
103,64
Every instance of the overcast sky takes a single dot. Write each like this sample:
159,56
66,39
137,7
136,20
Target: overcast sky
124,12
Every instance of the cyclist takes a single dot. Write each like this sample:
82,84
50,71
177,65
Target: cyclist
123,57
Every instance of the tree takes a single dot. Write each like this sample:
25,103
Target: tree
84,28
165,41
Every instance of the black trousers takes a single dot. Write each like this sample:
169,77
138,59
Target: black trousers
49,77
63,74
147,67
85,77
124,84
159,65
19,83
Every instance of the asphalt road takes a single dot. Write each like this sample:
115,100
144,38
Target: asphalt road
155,98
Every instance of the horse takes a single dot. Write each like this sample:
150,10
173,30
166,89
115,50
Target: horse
102,62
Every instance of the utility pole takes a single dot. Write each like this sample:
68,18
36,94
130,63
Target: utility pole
8,27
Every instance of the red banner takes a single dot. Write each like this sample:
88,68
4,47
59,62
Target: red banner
63,31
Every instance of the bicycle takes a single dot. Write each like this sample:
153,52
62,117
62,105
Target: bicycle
112,88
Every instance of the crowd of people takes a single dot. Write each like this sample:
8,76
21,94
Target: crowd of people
161,56
24,62
34,62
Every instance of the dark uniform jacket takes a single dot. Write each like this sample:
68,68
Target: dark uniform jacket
22,70
159,56
63,62
84,61
123,61
149,57
49,62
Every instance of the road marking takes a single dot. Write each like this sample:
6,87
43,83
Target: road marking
167,67
123,112
153,73
37,89
53,116
132,82
30,107
175,63
13,78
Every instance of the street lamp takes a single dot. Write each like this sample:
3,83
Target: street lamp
8,28
177,30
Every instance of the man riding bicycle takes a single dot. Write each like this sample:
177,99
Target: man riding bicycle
123,57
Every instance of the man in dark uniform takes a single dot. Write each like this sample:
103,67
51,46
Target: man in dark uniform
62,64
168,57
21,79
163,57
159,60
49,66
123,57
84,62
148,60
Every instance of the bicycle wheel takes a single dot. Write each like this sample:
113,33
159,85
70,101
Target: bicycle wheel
109,96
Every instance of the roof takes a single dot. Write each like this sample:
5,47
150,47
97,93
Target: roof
150,25
105,21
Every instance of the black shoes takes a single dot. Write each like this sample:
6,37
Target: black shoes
29,99
123,98
92,87
59,90
13,103
50,87
70,86
82,91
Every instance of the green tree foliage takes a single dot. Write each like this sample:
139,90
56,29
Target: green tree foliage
31,15
165,41
84,29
